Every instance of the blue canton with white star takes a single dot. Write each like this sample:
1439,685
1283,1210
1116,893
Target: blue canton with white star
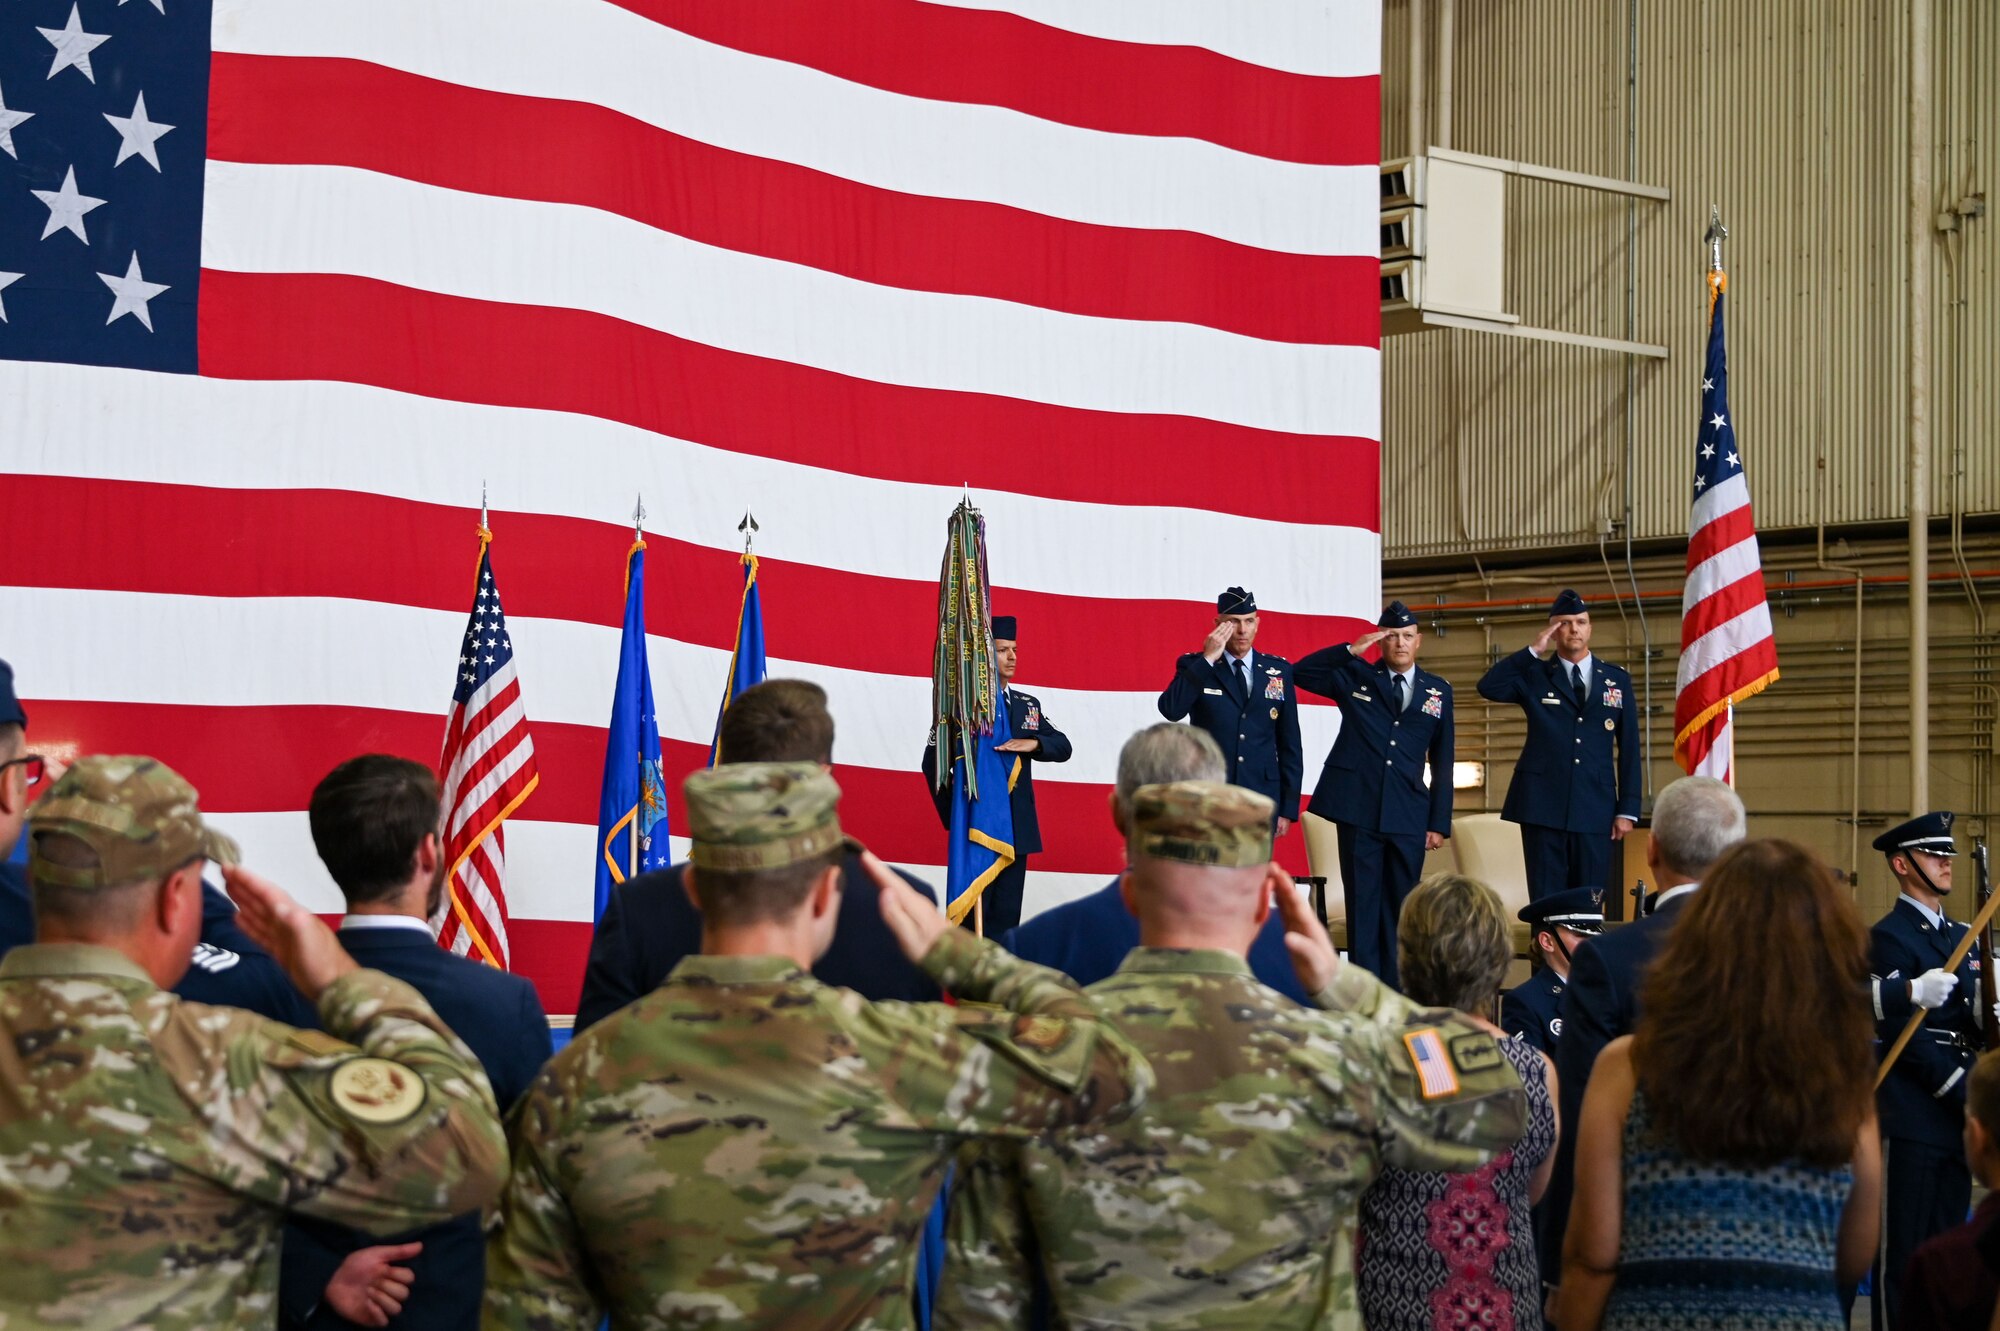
1715,455
486,647
103,141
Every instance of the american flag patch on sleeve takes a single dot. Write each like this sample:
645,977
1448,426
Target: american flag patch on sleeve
1435,1074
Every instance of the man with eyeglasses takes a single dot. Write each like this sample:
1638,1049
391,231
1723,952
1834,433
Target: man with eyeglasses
20,773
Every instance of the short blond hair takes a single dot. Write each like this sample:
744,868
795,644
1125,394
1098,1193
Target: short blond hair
1453,943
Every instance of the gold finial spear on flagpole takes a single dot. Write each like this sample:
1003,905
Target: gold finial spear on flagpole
1716,234
749,529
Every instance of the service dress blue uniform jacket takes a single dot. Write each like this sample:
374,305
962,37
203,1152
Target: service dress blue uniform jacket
1579,768
1532,1010
501,1020
1025,717
1374,776
1258,734
1923,1097
229,969
1089,938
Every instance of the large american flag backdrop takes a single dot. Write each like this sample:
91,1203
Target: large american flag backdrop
1112,266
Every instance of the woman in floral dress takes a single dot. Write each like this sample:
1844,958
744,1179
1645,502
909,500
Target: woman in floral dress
1445,1251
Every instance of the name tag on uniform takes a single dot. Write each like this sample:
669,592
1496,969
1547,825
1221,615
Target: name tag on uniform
1552,702
1216,692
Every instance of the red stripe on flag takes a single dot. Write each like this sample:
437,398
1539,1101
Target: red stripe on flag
372,332
287,110
397,551
948,54
1718,534
1722,605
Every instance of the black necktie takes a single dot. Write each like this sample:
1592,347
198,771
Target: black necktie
1397,681
1243,675
1576,685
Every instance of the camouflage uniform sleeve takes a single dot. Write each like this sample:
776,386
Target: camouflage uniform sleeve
535,1268
1024,1053
990,1255
394,1130
1447,1099
1359,993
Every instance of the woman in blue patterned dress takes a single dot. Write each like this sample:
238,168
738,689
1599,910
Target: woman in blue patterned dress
1437,1251
1727,1166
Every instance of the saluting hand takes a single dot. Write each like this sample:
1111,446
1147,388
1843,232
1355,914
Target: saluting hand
299,939
1217,639
1314,958
1544,642
1367,640
912,917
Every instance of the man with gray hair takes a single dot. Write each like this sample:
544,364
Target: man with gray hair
1695,819
1086,939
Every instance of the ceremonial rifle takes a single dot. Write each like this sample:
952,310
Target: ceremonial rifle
1981,928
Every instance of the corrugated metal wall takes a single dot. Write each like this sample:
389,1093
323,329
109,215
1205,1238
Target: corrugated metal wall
1791,115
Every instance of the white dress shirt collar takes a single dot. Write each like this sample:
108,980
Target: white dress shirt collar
385,922
1936,917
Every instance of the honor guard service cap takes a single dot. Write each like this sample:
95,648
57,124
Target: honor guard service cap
1396,615
1202,822
1929,832
1236,601
11,711
136,818
1003,627
750,816
1580,910
1567,602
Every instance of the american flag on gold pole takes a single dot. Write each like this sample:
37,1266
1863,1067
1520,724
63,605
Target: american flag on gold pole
486,771
1727,650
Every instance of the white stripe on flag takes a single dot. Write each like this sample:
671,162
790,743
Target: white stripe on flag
1338,38
1723,641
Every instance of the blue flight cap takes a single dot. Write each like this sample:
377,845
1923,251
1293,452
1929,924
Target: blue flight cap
11,711
1580,909
1929,832
1236,601
1003,627
1568,603
1396,615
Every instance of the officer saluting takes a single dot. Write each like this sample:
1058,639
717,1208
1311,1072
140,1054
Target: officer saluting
1570,795
1394,717
1558,923
1245,699
1035,740
1922,1101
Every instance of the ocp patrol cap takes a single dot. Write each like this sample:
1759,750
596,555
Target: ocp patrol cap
136,818
1929,833
1202,822
746,817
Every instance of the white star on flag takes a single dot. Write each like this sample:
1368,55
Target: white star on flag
131,292
1707,385
7,280
66,208
1730,458
1717,421
137,134
8,120
73,45
1700,481
1708,450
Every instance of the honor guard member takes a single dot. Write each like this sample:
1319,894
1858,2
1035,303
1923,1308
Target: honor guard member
1394,718
1231,1198
1921,1103
747,1146
1558,924
1035,740
1576,784
1245,699
153,1146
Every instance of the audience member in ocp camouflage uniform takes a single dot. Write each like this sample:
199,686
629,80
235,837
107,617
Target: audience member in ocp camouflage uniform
152,1145
747,1146
1229,1200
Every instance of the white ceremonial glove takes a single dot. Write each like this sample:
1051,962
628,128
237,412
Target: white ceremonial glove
1930,989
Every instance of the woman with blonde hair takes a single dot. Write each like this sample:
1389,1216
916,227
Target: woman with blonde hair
1727,1167
1457,1250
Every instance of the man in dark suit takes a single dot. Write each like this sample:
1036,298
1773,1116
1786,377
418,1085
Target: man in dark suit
1695,819
1395,717
650,923
1921,1103
374,823
1088,939
1245,700
1035,740
1576,784
1558,925
20,776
